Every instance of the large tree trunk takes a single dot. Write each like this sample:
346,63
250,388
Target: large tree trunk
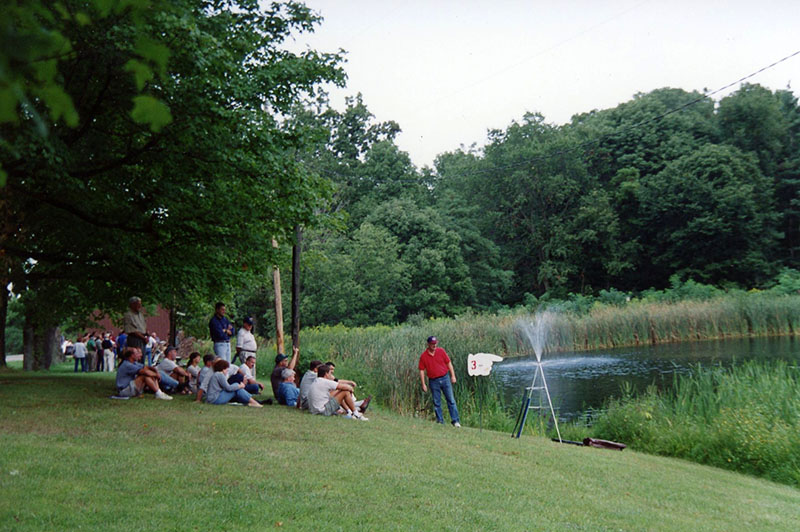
51,347
4,295
296,249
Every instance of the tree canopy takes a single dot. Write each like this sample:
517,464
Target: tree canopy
166,182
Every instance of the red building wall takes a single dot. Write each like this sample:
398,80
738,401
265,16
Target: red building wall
159,322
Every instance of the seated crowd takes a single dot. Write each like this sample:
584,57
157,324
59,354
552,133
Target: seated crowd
219,382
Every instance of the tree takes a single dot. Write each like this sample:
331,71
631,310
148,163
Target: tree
710,216
439,283
357,280
119,205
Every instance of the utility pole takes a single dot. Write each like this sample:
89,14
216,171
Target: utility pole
276,282
296,249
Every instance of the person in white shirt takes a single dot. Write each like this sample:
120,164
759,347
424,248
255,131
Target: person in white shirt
306,382
245,341
80,354
248,371
328,397
172,375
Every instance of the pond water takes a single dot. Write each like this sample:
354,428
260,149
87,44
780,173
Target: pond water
582,381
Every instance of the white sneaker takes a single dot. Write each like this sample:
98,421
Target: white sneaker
162,395
457,425
359,416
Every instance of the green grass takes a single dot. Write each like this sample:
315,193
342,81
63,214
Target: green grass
71,459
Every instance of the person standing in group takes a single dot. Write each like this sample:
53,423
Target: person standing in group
135,327
80,354
245,341
441,376
221,331
91,352
108,353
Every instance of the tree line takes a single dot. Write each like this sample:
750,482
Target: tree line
630,198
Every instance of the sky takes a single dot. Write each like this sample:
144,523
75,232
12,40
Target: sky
449,71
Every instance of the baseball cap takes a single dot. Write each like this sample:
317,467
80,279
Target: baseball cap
248,320
432,339
279,357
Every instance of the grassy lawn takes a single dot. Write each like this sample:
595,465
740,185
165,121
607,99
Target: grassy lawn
71,459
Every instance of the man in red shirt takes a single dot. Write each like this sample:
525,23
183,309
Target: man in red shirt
435,362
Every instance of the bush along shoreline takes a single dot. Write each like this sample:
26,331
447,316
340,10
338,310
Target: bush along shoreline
744,418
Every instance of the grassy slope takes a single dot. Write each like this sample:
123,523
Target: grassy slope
71,459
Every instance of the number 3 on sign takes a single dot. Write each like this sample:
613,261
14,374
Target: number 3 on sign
481,363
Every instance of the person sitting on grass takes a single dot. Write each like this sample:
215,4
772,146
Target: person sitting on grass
306,382
361,404
328,397
133,377
173,377
204,376
288,392
282,362
247,371
193,369
221,392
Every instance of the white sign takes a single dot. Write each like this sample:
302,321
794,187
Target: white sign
481,363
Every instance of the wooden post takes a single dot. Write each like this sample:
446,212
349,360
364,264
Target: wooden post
276,281
173,326
296,249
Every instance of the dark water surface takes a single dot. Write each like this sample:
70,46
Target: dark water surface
581,381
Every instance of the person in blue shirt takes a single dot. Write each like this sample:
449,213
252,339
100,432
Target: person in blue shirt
221,331
288,392
133,376
121,343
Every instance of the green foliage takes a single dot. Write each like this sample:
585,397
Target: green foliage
744,418
177,204
362,283
709,214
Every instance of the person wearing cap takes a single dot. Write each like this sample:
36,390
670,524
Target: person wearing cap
221,331
435,362
282,362
245,341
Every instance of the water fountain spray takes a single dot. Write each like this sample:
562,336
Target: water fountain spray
536,331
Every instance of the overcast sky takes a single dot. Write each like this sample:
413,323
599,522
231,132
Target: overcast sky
448,71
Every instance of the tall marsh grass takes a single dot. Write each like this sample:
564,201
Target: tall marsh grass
384,359
745,418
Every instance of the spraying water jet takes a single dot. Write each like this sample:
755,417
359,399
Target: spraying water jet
536,331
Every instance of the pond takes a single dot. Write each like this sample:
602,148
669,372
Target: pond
582,381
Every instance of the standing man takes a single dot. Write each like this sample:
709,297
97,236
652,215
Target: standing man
436,363
245,341
134,326
221,331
